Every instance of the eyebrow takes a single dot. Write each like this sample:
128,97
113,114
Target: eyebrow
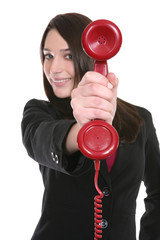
61,50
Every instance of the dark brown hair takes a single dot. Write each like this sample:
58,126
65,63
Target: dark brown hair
70,26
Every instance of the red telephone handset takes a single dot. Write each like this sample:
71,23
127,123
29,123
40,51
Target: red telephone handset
97,139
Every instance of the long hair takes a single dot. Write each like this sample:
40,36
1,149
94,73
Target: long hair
70,26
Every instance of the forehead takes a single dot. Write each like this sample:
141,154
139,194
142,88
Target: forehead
54,40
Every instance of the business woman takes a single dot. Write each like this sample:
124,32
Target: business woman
77,95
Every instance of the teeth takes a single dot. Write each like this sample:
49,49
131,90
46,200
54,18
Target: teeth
57,81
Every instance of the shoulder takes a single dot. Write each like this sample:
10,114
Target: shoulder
37,103
148,126
39,106
35,108
145,114
133,119
131,108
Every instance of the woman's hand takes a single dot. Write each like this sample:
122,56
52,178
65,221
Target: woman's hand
95,98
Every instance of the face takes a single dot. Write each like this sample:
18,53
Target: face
58,64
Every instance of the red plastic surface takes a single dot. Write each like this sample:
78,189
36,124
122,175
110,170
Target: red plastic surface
98,204
101,67
101,39
98,140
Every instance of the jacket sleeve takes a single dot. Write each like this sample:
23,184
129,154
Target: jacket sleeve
44,136
150,221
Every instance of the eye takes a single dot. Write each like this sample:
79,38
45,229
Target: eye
48,56
68,56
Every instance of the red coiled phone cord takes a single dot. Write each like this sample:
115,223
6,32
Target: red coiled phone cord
97,204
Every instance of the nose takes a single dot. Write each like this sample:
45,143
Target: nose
56,66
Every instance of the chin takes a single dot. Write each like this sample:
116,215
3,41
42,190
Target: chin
61,95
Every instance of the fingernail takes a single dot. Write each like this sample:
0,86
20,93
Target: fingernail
110,86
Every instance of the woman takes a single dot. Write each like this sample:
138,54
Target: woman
49,129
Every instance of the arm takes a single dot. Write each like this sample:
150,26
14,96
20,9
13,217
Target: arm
51,141
44,135
71,140
150,228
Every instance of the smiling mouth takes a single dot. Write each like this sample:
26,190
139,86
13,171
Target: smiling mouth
61,80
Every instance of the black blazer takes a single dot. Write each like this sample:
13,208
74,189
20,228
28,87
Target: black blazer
68,202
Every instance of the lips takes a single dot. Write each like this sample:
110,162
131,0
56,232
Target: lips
60,81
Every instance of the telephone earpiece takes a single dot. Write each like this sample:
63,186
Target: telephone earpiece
101,40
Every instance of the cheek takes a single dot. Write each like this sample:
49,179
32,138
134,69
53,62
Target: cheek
72,71
46,69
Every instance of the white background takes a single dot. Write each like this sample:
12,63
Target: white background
21,26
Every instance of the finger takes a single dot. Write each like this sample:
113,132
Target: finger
88,114
94,77
113,80
96,102
95,90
